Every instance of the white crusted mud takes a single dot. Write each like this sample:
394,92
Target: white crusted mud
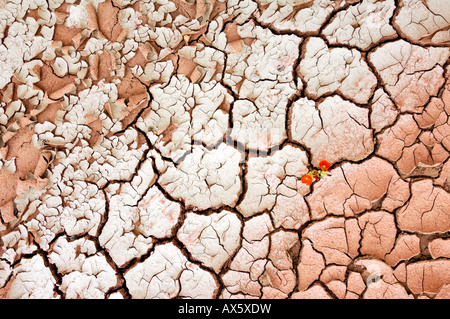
218,149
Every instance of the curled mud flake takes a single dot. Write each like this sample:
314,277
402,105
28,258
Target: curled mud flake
86,273
19,45
316,291
356,285
423,159
68,256
444,292
362,25
77,211
324,165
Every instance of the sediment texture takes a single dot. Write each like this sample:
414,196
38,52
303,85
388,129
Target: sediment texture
155,149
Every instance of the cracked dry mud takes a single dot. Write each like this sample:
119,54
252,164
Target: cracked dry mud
155,149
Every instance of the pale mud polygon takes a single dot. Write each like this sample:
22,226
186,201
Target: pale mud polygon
156,149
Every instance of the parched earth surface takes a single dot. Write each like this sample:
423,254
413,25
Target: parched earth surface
156,148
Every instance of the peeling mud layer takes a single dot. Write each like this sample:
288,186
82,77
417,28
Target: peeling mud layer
156,149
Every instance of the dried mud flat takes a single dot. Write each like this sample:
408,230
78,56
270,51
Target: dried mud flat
156,149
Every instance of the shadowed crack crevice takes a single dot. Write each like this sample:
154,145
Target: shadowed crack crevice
83,79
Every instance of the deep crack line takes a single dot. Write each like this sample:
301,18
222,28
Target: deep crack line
163,157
